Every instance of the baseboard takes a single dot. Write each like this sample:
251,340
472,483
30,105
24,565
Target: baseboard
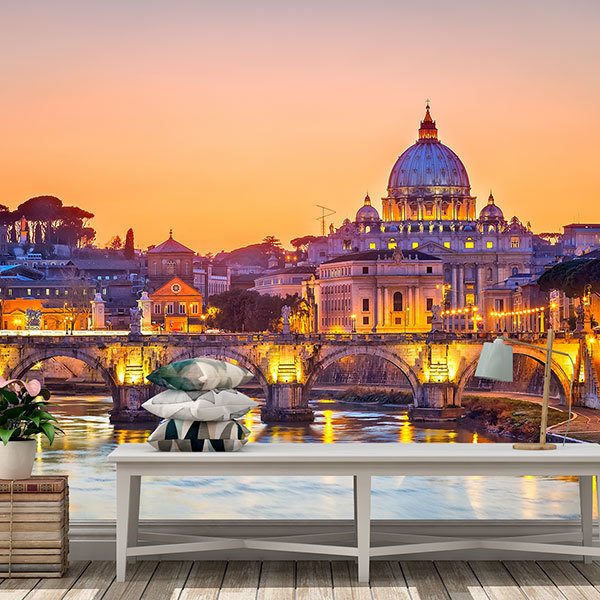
95,540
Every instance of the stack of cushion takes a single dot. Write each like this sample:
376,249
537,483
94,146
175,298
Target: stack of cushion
200,406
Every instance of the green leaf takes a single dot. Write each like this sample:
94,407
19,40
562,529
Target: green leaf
48,430
5,434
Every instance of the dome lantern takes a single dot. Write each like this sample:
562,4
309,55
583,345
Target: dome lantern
428,130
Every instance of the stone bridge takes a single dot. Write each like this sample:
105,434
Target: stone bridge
437,366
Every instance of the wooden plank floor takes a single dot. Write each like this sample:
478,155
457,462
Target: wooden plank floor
316,580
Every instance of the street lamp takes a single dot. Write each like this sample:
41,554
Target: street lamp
496,362
353,319
203,326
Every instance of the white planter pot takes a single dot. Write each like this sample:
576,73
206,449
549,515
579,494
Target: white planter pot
16,459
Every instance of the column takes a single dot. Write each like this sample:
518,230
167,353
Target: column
417,305
479,287
380,314
461,286
454,290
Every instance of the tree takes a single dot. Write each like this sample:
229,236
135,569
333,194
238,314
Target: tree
248,311
115,243
301,243
271,240
41,212
245,310
576,277
129,247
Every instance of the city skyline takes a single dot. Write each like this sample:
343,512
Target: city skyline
229,123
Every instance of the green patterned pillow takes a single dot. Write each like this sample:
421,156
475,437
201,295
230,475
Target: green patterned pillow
174,435
200,374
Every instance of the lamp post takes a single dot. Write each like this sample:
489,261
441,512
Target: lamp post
203,319
496,362
353,320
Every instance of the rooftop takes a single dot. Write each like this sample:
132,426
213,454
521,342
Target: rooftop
370,255
170,246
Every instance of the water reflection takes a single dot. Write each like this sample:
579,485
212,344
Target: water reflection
89,438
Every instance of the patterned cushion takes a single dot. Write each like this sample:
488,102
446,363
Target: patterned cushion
214,405
200,374
174,435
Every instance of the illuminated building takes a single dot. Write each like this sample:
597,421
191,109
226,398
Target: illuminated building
429,207
177,307
383,291
170,259
283,282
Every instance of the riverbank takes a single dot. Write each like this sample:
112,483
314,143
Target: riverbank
508,417
370,395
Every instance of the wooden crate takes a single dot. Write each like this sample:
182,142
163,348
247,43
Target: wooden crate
34,527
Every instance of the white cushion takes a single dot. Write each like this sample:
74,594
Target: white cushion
214,405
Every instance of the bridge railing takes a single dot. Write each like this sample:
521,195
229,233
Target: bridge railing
216,339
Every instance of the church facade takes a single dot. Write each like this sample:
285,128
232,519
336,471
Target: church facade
429,209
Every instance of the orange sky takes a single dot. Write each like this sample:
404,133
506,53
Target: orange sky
229,121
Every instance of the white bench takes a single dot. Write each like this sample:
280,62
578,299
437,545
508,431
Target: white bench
361,462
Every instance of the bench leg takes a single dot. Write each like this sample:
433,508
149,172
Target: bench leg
123,521
586,506
134,512
362,519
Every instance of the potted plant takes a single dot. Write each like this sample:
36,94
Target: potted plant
23,415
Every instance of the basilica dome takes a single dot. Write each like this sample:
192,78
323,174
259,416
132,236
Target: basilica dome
491,212
367,213
428,167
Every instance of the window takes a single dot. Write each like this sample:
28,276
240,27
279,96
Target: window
347,245
157,309
446,244
429,269
515,242
365,270
489,244
47,291
365,320
490,274
10,291
392,244
429,303
415,245
170,308
194,308
365,304
398,320
29,291
514,271
176,288
372,246
499,305
470,299
181,308
398,301
470,244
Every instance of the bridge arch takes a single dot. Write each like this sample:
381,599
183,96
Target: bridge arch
537,355
229,355
384,354
32,358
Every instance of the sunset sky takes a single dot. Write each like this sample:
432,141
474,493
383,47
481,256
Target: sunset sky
231,120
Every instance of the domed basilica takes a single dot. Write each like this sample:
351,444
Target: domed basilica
429,211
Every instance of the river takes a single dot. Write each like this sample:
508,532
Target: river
89,438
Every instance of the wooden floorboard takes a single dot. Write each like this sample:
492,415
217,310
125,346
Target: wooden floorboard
241,580
570,581
424,581
316,580
496,581
277,580
460,581
532,580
